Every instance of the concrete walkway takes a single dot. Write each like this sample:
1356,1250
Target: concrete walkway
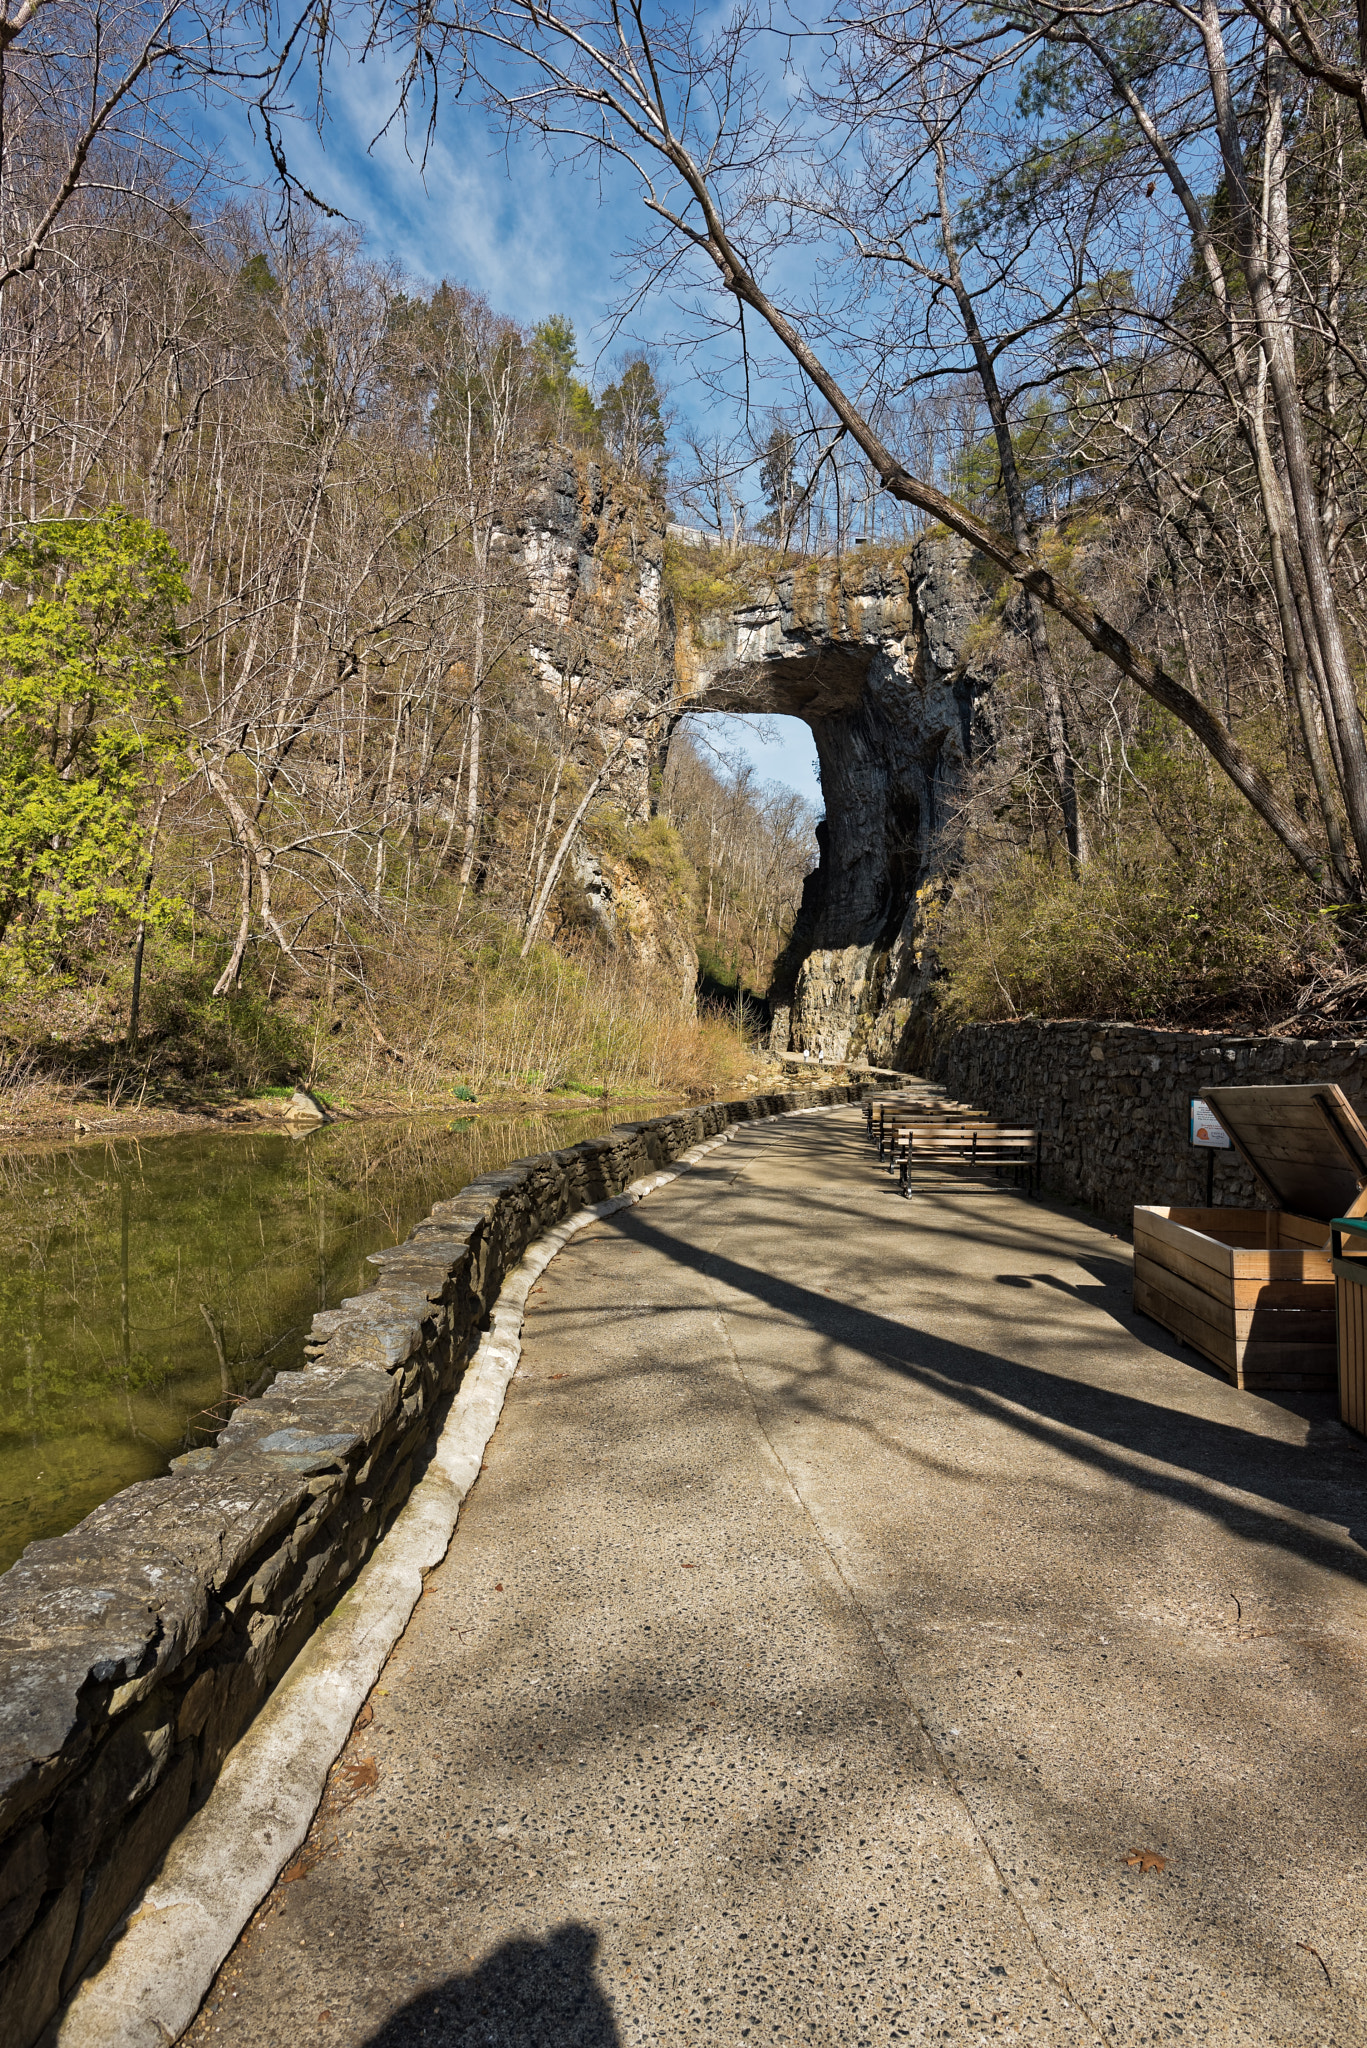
853,1585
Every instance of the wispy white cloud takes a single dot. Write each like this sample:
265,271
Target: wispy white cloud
534,237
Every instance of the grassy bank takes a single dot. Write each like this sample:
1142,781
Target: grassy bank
458,1024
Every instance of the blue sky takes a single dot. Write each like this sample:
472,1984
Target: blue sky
532,237
782,750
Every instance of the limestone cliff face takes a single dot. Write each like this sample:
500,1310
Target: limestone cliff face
871,657
868,652
613,897
590,547
591,550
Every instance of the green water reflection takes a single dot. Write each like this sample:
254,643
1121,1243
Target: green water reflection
144,1283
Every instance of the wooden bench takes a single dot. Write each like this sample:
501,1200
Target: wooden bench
978,1147
898,1130
895,1116
934,1117
876,1107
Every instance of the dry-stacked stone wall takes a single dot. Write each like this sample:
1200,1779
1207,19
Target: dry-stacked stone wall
135,1650
1111,1101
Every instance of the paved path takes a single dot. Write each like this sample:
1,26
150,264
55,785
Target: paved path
852,1586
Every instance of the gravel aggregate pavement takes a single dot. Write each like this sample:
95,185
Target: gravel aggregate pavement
865,1629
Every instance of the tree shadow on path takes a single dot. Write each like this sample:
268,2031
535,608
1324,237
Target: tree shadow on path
1194,1456
526,1994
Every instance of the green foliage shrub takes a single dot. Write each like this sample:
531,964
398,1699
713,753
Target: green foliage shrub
699,581
88,720
1139,934
241,1043
656,850
712,967
557,357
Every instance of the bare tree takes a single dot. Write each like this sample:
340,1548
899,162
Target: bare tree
688,117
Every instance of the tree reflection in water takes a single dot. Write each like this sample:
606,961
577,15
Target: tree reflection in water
144,1284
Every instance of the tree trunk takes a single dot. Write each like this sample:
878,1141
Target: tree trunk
467,859
1055,724
1299,639
562,850
1279,354
140,938
232,973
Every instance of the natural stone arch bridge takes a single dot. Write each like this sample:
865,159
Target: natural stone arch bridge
868,653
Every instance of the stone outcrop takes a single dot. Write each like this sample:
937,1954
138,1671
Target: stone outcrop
591,553
135,1650
610,896
870,654
590,549
1111,1101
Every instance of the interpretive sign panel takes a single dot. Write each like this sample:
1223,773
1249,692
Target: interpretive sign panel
1206,1129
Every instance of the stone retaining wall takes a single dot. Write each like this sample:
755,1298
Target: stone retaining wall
1112,1101
135,1650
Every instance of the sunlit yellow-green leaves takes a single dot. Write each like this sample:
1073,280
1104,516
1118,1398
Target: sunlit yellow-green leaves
89,718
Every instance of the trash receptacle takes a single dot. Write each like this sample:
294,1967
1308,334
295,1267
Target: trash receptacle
1349,1259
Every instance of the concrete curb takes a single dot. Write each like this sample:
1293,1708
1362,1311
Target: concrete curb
226,1858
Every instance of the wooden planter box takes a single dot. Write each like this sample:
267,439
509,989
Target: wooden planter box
1251,1289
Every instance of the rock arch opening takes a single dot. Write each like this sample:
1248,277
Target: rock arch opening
868,654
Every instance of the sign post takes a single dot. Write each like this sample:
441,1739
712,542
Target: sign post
1210,1137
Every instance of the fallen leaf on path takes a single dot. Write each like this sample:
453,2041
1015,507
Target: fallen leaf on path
1146,1860
294,1871
499,1587
361,1775
366,1716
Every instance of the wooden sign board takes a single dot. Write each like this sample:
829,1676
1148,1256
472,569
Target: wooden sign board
1305,1145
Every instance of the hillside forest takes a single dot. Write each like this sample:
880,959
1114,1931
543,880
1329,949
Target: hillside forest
292,789
287,795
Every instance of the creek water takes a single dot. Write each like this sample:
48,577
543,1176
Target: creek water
146,1283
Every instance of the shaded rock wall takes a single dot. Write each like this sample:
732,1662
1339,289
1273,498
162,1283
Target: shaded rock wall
1111,1101
136,1649
870,655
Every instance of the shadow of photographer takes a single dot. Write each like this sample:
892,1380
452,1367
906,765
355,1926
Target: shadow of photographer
526,1994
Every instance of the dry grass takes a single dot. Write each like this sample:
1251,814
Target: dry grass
23,1085
438,1018
476,1016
